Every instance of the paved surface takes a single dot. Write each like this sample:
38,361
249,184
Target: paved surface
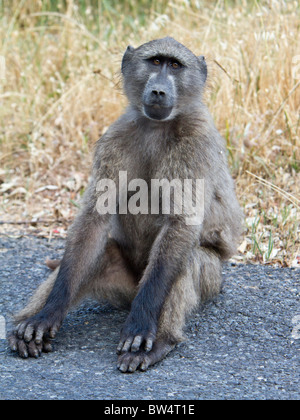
243,345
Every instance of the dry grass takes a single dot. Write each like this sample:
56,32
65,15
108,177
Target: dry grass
62,89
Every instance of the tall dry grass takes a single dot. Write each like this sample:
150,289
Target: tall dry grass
62,89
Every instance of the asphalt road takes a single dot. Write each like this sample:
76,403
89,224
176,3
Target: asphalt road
243,345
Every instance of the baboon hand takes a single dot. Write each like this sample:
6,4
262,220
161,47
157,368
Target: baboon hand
135,337
33,335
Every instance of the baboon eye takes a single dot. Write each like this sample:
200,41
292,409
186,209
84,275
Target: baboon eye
156,61
175,65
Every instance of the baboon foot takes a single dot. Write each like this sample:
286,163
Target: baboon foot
33,336
132,361
137,335
30,349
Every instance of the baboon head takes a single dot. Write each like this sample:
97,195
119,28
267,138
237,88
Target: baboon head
163,78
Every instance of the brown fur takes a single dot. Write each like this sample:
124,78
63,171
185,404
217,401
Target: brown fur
52,264
156,263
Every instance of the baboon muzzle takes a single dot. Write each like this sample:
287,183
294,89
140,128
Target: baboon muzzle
159,96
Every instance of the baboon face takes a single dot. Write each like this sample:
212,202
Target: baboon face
163,79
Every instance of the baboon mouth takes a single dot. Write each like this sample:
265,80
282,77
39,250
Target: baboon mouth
157,112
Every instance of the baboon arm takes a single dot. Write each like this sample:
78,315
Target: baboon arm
85,246
168,258
84,249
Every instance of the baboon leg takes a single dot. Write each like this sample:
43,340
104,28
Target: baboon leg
38,300
201,280
115,281
73,279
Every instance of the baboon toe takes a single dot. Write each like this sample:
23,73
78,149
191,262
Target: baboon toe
131,361
33,336
37,328
27,349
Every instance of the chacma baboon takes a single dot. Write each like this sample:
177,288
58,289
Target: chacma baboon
157,265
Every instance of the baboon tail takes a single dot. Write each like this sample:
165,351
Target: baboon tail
38,300
210,273
52,264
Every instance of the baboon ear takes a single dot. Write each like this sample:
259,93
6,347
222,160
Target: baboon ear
127,56
203,67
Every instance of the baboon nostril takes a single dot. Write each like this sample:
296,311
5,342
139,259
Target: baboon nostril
158,92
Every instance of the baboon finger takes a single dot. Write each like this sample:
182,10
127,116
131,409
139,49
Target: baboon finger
136,343
122,367
22,349
13,342
134,363
127,345
145,364
149,344
21,329
34,350
28,334
54,331
39,334
129,362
